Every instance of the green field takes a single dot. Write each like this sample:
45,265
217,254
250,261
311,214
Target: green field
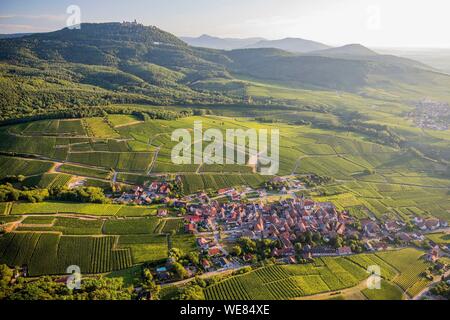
131,226
400,272
84,171
410,265
439,238
289,281
401,183
16,166
20,208
388,291
47,253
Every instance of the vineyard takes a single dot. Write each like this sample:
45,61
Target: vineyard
410,265
85,172
16,166
196,182
290,281
399,188
131,226
326,274
48,253
93,209
109,237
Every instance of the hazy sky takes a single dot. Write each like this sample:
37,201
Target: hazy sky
397,23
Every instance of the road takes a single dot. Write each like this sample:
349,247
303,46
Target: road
425,291
202,276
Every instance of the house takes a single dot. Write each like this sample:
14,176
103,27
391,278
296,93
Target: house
322,252
371,229
214,252
162,212
179,204
432,224
224,263
190,228
206,264
404,237
221,192
248,257
433,255
368,246
292,260
379,246
344,251
203,243
153,186
392,226
193,218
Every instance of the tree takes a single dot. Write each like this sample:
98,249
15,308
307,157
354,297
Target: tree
236,251
180,271
6,275
247,245
191,292
176,253
45,288
194,257
149,284
317,237
337,242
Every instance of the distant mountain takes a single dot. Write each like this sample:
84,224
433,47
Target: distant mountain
14,35
347,50
360,52
130,63
296,45
206,41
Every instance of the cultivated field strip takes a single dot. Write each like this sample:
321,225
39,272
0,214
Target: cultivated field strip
290,281
51,253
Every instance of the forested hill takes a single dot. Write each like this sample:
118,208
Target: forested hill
108,63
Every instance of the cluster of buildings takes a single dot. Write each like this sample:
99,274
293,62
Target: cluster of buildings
287,220
378,236
429,224
431,115
284,221
146,195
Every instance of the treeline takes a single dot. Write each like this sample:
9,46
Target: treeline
48,288
81,194
86,112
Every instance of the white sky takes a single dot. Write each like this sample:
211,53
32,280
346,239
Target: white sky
376,23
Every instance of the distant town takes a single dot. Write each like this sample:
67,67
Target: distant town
431,115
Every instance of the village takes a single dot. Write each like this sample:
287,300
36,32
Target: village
293,229
431,115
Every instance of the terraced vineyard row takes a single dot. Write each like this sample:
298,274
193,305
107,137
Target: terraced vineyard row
49,253
367,260
229,290
285,289
271,274
290,281
196,182
411,265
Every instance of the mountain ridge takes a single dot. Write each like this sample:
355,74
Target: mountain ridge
296,45
131,63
